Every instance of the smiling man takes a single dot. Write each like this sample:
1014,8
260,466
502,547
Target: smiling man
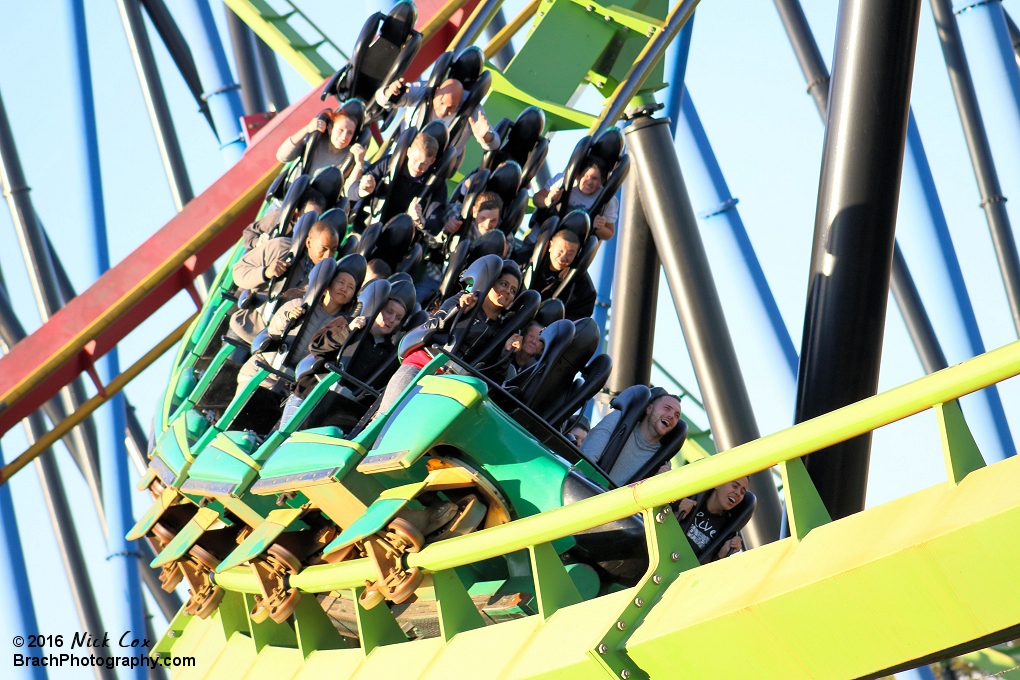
661,415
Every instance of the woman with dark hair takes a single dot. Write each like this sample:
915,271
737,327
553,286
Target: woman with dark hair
473,332
710,514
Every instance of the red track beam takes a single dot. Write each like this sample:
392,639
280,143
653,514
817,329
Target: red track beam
168,262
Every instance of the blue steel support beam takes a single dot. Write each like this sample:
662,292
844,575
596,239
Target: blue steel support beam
15,594
996,78
751,311
124,613
923,234
221,91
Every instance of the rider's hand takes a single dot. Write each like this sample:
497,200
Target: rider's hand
395,88
729,547
514,343
316,125
452,225
295,313
467,301
555,192
358,323
276,268
686,505
358,153
480,127
366,186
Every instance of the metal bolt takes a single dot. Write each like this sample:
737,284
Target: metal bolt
650,32
622,625
660,518
657,580
590,8
668,510
608,18
675,556
624,674
602,648
639,602
172,633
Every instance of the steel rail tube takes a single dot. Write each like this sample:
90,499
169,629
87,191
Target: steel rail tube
923,232
156,102
41,272
241,39
272,79
974,131
475,24
646,60
636,290
15,590
678,241
854,233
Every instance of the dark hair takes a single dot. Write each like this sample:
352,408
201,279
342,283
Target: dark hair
593,162
488,200
312,196
320,227
512,268
659,393
567,235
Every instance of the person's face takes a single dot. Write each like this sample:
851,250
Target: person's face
532,343
504,291
341,290
389,318
418,162
322,245
663,415
579,434
343,132
731,493
486,220
590,181
561,253
447,100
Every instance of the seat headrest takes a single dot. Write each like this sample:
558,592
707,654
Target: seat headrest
394,239
356,265
578,222
525,133
319,279
354,109
329,182
401,276
437,131
300,235
491,243
403,292
608,146
482,273
399,22
373,297
551,311
505,180
468,65
337,217
291,199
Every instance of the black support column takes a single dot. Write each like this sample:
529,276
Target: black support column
635,291
674,229
851,260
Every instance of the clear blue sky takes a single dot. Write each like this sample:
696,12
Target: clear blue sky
750,93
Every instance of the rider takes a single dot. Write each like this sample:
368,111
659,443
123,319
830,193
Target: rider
586,190
477,330
338,129
445,103
712,516
406,185
258,267
661,415
579,295
336,306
